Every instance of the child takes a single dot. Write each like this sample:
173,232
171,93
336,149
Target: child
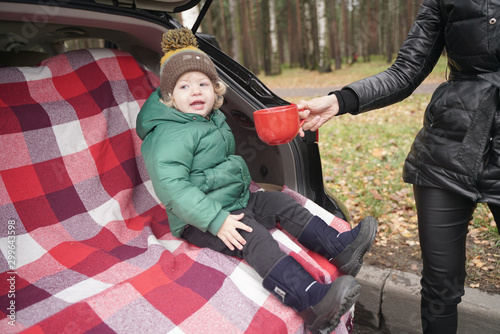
189,150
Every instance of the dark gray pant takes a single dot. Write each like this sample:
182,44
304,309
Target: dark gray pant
263,212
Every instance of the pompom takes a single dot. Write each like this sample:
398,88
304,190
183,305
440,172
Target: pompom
175,39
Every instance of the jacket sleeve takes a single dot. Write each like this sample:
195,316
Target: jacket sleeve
416,58
168,157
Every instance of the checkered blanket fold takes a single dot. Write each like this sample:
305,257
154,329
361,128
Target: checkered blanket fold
85,244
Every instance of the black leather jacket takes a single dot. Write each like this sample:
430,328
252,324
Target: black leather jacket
458,147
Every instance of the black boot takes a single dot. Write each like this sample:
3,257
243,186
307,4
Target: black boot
344,250
320,305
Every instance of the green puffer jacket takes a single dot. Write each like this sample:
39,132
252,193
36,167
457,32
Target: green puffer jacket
192,165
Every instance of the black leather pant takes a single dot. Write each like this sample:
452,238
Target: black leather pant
443,220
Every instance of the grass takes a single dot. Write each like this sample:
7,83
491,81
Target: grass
362,160
369,151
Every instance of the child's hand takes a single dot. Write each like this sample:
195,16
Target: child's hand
228,233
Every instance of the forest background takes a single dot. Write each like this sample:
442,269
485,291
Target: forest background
303,44
268,35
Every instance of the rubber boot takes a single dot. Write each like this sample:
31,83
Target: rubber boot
320,305
344,250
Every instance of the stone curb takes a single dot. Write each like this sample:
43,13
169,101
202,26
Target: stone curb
390,303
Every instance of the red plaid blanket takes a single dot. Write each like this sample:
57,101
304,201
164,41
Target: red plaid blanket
85,244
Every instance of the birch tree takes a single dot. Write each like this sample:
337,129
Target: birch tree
308,32
324,52
189,17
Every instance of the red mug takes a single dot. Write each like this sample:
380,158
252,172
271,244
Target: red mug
278,125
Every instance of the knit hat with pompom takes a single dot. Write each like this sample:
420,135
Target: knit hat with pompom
182,55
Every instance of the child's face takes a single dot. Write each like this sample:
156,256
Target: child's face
194,93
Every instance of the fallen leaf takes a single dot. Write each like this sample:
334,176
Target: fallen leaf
414,267
474,231
395,198
407,234
378,153
376,195
478,263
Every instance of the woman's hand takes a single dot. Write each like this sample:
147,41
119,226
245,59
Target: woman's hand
228,232
317,112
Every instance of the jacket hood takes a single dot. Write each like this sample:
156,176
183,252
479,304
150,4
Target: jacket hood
155,112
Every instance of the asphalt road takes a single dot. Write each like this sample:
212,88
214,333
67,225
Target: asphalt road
312,92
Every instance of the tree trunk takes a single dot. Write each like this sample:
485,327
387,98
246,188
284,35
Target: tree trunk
208,23
372,27
362,29
389,31
235,50
302,33
189,17
292,36
266,41
315,35
245,42
334,36
309,33
409,13
254,45
273,35
345,23
224,39
324,52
